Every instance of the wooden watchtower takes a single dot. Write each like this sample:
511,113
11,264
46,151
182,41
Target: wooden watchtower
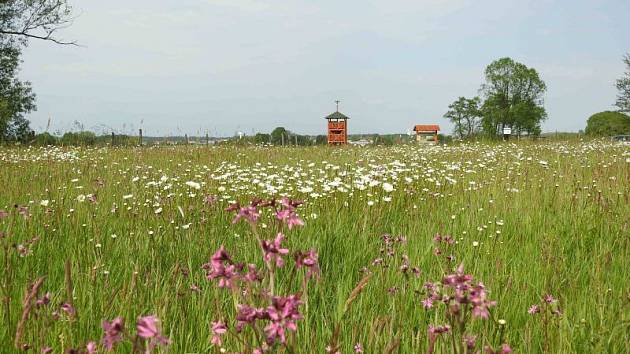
337,127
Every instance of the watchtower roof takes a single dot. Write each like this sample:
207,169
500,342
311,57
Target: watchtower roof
337,115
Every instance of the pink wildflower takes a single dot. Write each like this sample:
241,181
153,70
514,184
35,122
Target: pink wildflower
283,313
549,299
113,332
274,251
147,329
90,348
534,309
218,329
249,213
67,308
308,260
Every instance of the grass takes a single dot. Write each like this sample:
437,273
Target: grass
530,219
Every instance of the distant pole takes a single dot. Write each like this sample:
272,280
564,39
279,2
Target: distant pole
337,102
295,139
112,138
207,139
140,136
282,135
186,136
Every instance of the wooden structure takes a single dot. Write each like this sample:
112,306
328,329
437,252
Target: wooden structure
427,133
337,127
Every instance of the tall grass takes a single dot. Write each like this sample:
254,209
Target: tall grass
529,219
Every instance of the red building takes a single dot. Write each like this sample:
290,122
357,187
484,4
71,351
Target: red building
337,128
427,133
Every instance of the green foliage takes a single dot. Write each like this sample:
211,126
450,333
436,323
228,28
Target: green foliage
279,135
623,85
607,124
261,138
19,21
465,114
321,140
82,138
45,139
513,97
16,97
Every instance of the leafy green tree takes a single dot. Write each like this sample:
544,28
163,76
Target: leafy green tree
607,124
16,97
21,20
261,138
82,138
465,114
45,139
321,140
513,97
279,135
623,85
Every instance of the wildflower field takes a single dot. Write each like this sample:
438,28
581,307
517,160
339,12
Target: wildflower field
521,247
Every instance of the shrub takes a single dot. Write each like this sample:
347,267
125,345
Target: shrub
46,139
607,124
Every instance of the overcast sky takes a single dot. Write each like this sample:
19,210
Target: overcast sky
186,66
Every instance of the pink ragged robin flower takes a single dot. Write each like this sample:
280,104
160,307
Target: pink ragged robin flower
283,314
147,328
218,329
274,251
90,348
505,349
248,315
221,267
44,300
549,299
249,213
113,332
252,274
68,309
310,261
534,309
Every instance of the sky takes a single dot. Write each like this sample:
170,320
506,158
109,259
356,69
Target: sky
224,66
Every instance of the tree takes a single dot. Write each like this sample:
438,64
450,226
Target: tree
464,113
38,19
16,97
21,20
623,85
321,140
261,138
513,98
279,136
607,124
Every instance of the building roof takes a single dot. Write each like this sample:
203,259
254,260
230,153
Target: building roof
337,115
426,128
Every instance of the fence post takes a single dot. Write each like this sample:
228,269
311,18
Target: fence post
186,136
140,137
112,138
207,139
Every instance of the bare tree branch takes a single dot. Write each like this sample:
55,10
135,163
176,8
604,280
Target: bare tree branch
47,37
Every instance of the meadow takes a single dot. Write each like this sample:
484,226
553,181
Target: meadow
491,248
